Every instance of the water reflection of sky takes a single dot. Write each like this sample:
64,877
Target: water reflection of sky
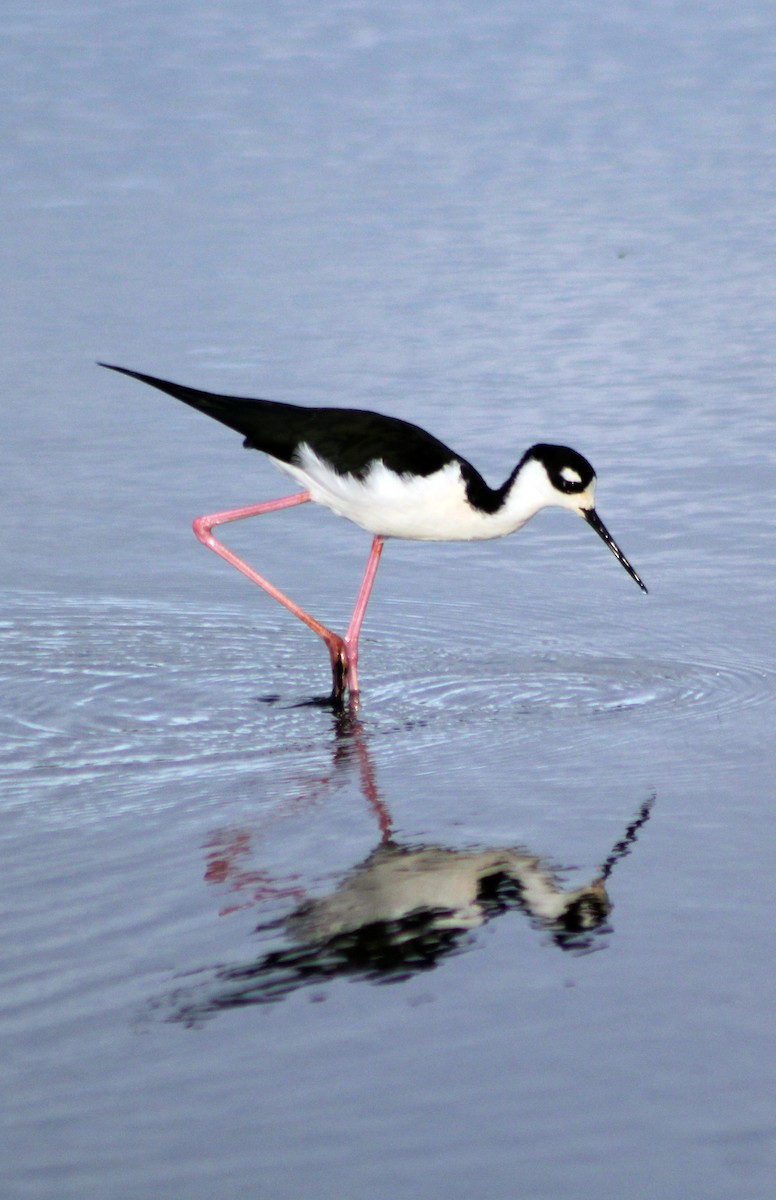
509,226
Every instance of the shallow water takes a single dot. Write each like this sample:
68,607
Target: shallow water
548,826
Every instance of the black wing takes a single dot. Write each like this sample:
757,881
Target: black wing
350,440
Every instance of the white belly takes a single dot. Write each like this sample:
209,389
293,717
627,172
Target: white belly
426,508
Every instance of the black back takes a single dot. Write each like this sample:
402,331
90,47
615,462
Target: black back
350,440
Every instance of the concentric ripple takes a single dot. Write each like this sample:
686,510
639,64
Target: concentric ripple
87,687
575,684
450,666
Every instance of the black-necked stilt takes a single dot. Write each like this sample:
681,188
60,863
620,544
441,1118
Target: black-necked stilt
391,478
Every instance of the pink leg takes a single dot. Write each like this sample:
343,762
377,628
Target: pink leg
369,782
357,620
338,648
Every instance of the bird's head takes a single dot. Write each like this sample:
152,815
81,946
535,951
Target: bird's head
563,478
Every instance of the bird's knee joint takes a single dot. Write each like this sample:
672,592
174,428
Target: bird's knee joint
203,528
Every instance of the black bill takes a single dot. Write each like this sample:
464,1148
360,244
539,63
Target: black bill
595,522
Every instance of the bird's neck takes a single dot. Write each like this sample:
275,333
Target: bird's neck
523,495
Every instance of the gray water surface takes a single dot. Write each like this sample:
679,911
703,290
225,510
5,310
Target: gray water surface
507,929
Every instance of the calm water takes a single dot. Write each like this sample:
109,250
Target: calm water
508,930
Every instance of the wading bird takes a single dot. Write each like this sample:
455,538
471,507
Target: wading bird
391,478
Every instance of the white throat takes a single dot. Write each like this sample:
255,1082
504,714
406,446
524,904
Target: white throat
532,490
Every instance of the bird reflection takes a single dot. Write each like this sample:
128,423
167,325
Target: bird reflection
401,911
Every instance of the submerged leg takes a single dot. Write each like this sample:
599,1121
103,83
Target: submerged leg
337,646
357,620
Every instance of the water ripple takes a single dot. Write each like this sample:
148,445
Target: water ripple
577,684
89,687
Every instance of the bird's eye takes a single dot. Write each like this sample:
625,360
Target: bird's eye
568,479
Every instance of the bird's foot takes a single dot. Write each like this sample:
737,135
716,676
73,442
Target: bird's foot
344,678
